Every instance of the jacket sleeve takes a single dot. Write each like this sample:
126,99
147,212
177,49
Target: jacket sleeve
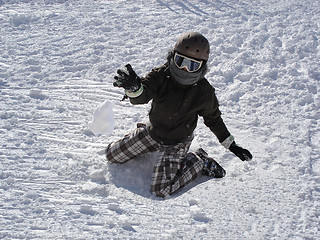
212,117
150,85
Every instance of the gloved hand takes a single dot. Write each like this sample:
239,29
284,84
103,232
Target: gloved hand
241,153
127,79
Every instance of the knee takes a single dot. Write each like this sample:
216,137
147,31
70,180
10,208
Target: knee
114,159
111,160
111,156
159,192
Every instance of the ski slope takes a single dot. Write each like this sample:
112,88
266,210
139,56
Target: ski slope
57,62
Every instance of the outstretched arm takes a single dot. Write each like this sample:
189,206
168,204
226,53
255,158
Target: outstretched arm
140,91
212,119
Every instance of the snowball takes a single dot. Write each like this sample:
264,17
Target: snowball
102,121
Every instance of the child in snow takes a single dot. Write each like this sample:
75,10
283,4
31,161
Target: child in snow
179,94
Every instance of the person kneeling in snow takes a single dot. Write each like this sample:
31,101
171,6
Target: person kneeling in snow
179,94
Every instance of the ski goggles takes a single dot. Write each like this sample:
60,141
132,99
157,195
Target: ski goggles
183,62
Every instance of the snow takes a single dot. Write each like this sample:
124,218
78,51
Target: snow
102,120
57,62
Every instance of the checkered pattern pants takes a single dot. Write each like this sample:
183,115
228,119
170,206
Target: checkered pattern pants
174,167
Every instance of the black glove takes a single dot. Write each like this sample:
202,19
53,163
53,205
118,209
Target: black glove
127,79
241,153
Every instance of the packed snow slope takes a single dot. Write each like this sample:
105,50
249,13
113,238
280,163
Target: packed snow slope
57,62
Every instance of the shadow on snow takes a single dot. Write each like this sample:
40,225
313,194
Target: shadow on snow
135,176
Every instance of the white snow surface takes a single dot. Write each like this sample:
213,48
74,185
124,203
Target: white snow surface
57,62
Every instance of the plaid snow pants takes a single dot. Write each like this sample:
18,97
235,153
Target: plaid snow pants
174,168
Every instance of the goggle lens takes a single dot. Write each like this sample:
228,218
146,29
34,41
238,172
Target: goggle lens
183,62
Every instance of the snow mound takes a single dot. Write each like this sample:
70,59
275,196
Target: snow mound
102,121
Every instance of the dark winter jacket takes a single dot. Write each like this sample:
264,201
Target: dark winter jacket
175,108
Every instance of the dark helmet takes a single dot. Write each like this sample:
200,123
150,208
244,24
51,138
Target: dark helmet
194,45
